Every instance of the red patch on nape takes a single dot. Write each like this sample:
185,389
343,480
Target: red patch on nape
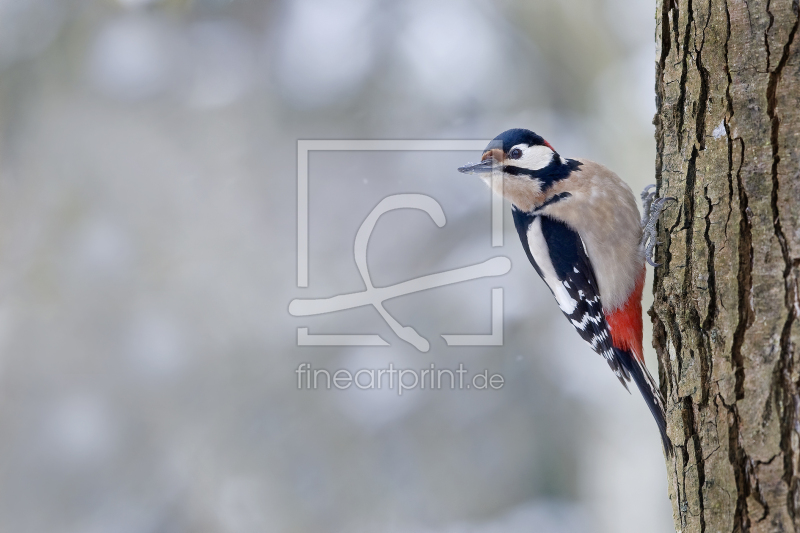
626,322
548,145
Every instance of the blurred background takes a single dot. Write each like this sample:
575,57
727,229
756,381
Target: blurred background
148,215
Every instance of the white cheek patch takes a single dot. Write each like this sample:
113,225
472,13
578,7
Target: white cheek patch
533,157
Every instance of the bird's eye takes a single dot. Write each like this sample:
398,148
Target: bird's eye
516,153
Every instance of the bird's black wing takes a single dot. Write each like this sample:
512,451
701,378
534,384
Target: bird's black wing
559,257
557,253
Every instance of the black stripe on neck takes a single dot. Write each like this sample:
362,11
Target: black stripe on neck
553,172
557,198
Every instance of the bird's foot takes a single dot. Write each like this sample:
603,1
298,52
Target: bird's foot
652,208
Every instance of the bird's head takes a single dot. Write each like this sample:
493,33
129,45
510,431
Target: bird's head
526,164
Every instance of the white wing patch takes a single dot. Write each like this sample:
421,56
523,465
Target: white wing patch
539,251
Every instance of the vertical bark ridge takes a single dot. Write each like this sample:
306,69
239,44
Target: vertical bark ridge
785,387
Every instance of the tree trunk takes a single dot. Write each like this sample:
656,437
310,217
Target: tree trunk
726,295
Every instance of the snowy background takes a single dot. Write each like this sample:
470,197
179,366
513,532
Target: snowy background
148,166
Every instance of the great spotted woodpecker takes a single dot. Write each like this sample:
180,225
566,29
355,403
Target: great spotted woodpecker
580,228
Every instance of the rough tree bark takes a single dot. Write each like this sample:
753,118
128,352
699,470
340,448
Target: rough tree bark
726,298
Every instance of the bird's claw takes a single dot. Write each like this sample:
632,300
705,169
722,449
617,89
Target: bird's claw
651,263
652,208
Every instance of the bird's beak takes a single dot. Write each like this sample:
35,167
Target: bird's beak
483,167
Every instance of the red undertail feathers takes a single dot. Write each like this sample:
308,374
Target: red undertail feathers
626,322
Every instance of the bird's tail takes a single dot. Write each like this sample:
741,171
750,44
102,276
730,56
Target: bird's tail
652,395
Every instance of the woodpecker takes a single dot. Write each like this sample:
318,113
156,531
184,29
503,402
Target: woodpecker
580,228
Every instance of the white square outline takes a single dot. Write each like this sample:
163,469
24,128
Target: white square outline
304,147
